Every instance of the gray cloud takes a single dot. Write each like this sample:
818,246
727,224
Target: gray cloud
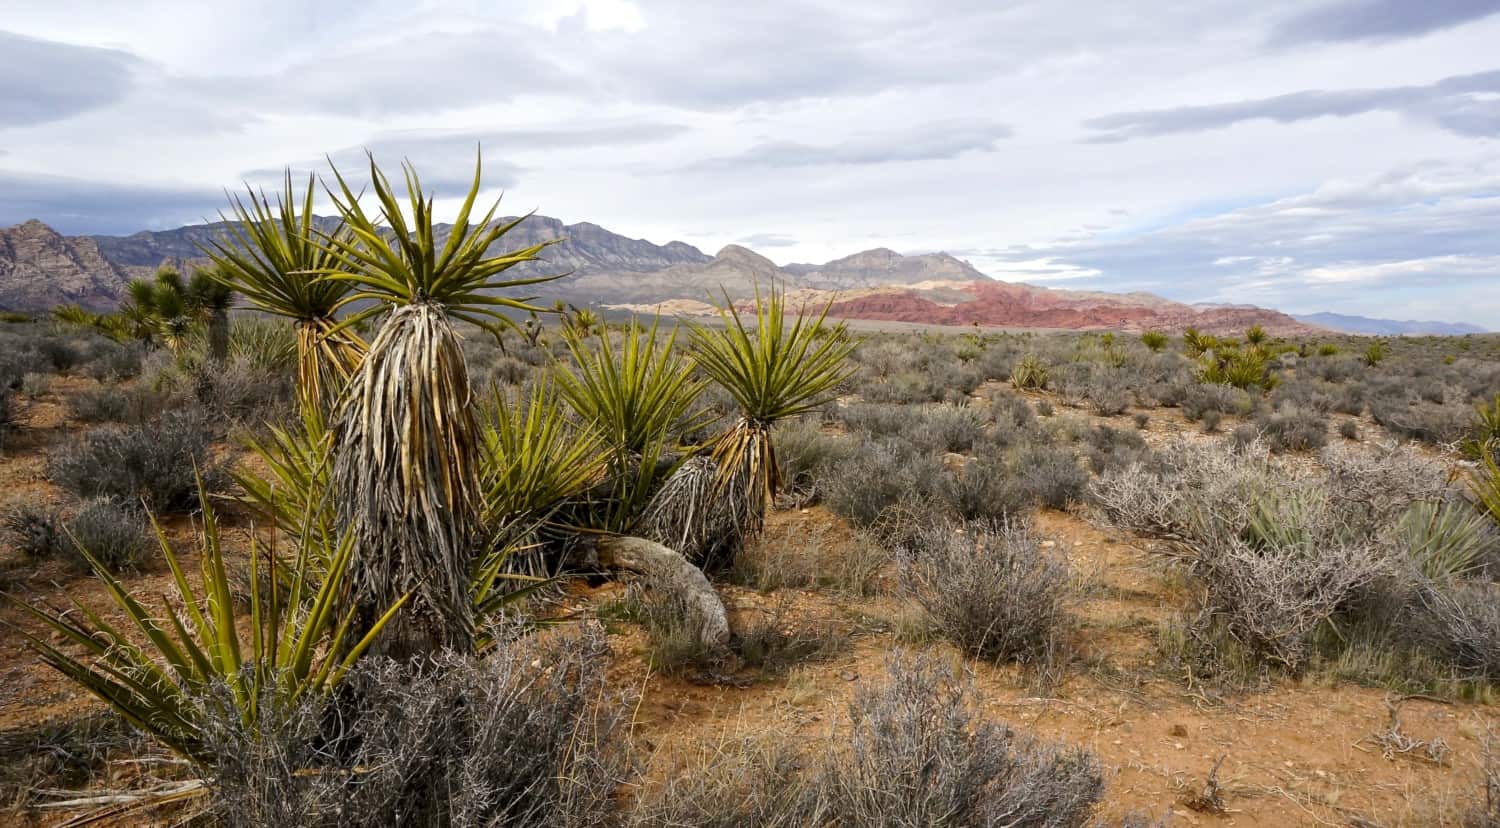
43,80
929,142
75,205
767,240
1347,20
445,157
1463,104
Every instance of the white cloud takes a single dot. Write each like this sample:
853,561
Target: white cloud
819,127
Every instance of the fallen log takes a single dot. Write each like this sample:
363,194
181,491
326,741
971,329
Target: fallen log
667,571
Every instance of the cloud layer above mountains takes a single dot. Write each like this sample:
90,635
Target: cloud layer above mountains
1336,154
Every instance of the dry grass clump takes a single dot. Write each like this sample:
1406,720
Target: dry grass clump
913,751
526,736
992,589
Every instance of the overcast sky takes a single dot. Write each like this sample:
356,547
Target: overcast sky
1315,155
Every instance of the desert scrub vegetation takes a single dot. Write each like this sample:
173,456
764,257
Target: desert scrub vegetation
911,750
992,589
154,461
1373,552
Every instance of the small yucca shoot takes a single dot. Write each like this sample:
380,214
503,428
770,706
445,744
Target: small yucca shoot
188,662
406,443
277,258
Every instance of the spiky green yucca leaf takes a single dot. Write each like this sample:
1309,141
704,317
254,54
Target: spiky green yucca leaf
294,494
277,258
1484,483
635,397
166,678
774,370
535,459
412,268
1444,540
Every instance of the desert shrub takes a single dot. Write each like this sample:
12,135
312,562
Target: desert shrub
1244,435
7,413
1275,596
949,428
913,751
1349,430
807,455
155,461
990,588
239,390
1462,621
111,531
1223,399
674,641
1050,474
114,361
35,385
875,477
1211,420
1044,408
1350,400
880,419
772,642
133,403
983,489
918,755
526,736
1106,399
1109,448
1428,422
35,530
1141,420
1294,429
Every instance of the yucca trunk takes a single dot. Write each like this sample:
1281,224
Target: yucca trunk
325,362
712,503
218,336
405,474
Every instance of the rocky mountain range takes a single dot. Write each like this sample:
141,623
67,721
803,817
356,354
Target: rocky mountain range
1387,327
40,268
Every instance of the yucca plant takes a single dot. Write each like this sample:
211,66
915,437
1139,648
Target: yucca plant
279,260
1445,540
1485,439
535,461
406,442
774,369
636,397
1030,374
293,494
1484,484
171,670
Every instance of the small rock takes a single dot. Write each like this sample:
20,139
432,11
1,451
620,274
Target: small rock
1048,544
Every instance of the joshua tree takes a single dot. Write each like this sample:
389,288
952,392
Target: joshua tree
406,443
210,298
279,260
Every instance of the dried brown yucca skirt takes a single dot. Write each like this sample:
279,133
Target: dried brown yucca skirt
710,505
404,478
